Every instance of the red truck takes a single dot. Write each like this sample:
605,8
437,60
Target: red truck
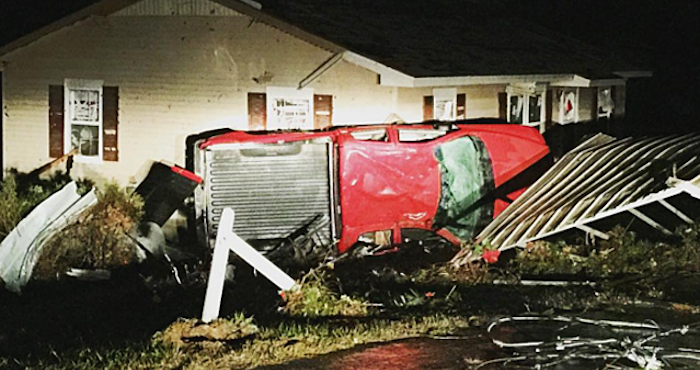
374,183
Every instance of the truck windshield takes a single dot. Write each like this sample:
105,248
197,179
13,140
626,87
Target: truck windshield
465,206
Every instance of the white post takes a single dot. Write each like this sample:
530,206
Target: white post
217,274
227,240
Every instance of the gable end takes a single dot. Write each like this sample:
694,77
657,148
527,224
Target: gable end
177,8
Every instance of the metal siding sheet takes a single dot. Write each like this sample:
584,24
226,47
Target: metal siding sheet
272,195
598,176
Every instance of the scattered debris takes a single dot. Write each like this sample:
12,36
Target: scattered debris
226,241
20,250
616,344
89,275
194,334
601,178
163,191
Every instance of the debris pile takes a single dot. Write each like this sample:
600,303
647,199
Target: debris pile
193,334
654,180
570,342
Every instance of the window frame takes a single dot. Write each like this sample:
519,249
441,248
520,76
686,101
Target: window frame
445,95
576,102
605,114
526,93
70,85
288,93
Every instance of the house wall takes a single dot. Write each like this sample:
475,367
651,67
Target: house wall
176,76
180,75
482,101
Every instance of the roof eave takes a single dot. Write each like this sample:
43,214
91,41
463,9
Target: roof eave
635,74
101,8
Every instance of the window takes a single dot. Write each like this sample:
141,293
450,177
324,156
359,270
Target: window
606,102
83,117
289,108
445,104
568,106
526,106
370,135
417,135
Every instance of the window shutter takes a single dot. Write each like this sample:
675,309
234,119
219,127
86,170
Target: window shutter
503,106
56,128
428,108
461,106
110,123
257,111
323,111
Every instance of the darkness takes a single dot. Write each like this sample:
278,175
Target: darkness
655,34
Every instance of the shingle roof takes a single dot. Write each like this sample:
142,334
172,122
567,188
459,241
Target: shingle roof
422,38
440,38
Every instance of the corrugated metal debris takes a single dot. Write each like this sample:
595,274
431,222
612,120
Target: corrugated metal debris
21,248
601,178
562,342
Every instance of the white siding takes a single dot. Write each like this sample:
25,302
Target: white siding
176,7
176,76
181,75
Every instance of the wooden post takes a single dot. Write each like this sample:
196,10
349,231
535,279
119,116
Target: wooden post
228,240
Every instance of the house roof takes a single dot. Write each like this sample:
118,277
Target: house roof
444,38
426,40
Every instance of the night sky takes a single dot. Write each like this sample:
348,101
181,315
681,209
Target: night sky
659,34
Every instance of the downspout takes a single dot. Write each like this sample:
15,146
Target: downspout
325,66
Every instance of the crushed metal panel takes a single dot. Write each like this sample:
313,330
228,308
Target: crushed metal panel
20,250
600,178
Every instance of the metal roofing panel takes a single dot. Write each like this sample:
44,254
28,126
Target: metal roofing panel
601,177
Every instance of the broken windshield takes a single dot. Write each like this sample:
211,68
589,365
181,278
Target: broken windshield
466,179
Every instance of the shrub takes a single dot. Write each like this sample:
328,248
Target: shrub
11,206
97,240
315,298
21,192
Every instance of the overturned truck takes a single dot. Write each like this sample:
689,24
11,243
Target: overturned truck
377,184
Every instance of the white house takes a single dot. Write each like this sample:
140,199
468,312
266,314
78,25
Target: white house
126,81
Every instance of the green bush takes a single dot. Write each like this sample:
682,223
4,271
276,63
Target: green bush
97,240
315,298
11,207
21,192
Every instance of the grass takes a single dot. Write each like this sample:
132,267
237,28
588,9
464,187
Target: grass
358,302
314,297
274,344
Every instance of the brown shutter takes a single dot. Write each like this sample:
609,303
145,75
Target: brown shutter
323,111
503,106
257,111
461,106
56,121
428,108
110,123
